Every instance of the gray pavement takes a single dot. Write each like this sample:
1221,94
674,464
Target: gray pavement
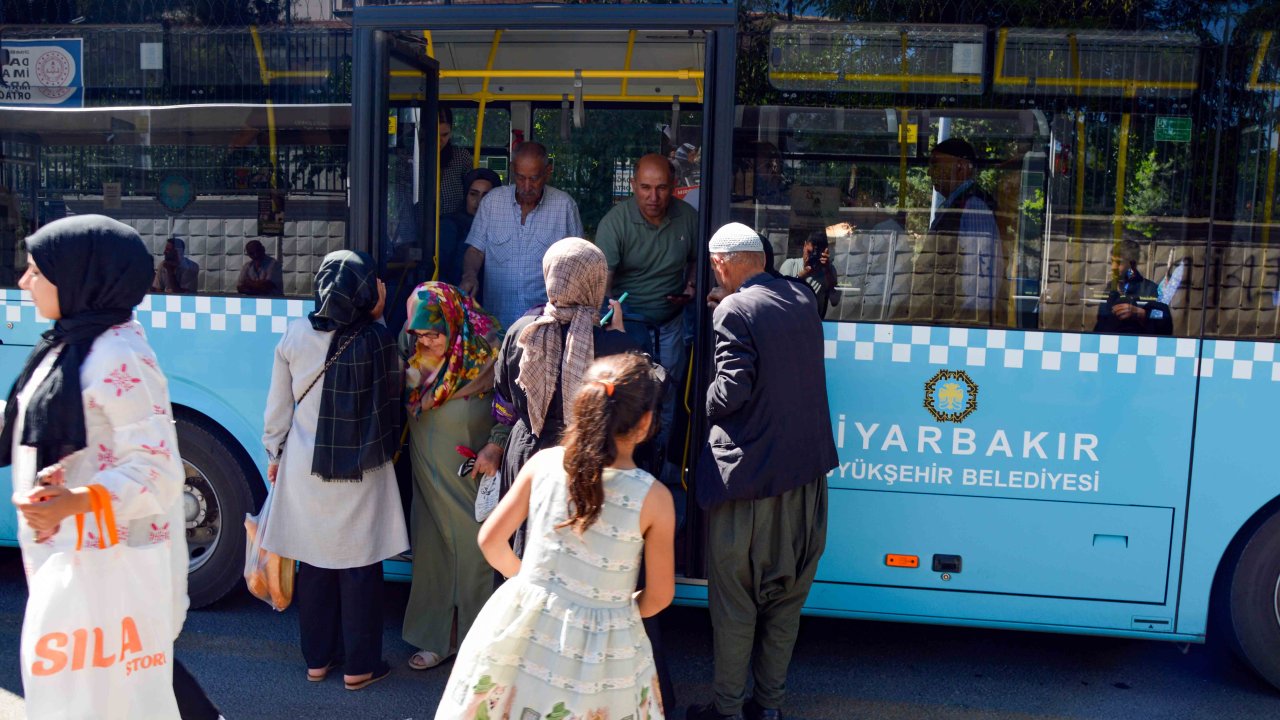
246,657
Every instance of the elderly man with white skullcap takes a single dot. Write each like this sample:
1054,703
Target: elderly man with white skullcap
761,478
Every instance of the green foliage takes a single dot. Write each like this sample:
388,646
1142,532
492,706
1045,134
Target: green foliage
587,165
1146,193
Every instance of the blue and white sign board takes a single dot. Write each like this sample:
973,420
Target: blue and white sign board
1049,466
43,73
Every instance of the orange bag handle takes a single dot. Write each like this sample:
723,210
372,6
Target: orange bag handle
105,516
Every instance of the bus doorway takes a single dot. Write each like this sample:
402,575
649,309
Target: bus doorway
598,86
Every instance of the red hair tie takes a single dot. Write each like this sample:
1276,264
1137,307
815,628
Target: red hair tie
608,387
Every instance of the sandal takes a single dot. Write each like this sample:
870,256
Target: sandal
319,674
425,660
382,671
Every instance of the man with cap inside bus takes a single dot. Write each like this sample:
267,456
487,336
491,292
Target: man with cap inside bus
761,481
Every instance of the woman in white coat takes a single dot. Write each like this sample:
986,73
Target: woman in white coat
91,408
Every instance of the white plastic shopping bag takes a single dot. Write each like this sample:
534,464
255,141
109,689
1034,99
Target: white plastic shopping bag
487,495
269,577
97,638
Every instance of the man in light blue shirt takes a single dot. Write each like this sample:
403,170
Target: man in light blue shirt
514,226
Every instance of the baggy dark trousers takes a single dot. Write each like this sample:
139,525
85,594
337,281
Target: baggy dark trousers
762,557
340,616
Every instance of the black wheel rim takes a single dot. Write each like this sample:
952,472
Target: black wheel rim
203,513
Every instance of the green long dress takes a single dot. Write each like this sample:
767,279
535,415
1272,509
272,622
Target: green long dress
449,572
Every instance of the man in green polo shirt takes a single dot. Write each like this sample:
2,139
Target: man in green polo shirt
650,242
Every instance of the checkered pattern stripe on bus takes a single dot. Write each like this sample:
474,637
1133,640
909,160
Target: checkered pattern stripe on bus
187,312
1051,352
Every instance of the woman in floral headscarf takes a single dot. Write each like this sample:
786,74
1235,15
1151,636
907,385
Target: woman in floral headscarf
451,345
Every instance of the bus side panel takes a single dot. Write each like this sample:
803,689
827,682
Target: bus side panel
218,354
1044,473
19,333
12,358
1234,471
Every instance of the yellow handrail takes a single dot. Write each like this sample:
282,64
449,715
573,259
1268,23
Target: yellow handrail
626,63
1256,70
1077,82
681,74
265,73
964,79
484,92
513,97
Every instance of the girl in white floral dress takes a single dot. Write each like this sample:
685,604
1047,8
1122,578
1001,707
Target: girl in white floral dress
563,638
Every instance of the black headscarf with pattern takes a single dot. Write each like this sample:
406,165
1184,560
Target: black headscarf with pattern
358,428
102,271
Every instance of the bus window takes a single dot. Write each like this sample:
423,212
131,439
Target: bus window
203,175
594,163
1243,287
907,205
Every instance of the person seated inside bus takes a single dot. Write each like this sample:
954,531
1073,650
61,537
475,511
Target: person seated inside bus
815,268
962,248
455,226
1131,303
176,273
261,274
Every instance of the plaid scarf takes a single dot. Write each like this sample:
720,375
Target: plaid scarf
467,366
358,428
575,272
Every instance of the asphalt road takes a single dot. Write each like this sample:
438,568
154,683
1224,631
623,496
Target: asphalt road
246,656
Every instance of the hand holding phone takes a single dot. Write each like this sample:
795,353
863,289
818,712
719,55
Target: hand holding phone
608,316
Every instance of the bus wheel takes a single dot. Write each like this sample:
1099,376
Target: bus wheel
1255,601
215,496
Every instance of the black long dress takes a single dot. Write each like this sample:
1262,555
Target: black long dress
523,443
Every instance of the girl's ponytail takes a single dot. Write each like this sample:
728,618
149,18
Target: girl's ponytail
614,397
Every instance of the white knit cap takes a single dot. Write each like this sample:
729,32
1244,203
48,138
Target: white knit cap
735,237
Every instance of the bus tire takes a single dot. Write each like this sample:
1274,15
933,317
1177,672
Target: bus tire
1255,601
215,497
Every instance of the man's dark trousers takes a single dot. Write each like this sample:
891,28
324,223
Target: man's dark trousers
763,556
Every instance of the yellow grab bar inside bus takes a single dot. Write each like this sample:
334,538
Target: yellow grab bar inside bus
1129,85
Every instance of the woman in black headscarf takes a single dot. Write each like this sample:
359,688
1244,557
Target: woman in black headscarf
335,398
93,382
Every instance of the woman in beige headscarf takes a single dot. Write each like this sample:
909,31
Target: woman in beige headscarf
545,353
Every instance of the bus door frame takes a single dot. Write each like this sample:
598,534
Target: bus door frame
371,25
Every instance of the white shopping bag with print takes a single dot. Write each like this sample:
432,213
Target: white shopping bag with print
487,495
97,638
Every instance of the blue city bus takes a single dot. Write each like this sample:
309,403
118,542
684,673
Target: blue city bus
1012,463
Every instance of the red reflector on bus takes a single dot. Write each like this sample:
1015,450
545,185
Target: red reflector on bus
907,561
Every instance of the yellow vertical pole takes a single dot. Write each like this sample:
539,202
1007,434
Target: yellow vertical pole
484,90
906,86
1122,167
1080,137
1268,203
1081,166
903,119
271,110
435,256
626,64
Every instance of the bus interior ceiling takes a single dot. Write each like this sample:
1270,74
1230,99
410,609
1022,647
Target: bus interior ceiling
598,99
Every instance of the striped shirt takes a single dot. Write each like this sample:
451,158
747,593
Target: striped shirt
513,250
